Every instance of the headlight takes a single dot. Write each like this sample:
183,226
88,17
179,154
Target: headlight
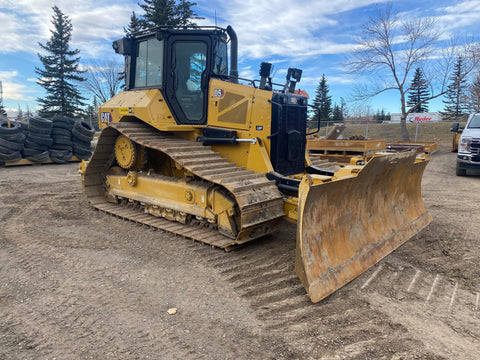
464,144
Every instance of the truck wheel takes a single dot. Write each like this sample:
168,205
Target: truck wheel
461,172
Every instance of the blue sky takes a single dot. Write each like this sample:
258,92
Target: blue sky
315,36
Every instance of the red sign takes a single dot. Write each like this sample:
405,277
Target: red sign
417,118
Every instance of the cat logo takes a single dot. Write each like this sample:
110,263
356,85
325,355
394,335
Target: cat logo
105,117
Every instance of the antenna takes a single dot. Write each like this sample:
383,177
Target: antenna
1,94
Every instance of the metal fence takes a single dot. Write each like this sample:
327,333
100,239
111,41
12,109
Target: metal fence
438,132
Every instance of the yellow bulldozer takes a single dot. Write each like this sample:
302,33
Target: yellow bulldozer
195,150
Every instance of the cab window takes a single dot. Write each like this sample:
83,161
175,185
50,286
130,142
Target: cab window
220,66
149,63
190,61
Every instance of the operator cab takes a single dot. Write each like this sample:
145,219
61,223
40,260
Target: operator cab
179,63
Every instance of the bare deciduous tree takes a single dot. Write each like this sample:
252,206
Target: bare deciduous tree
474,94
389,50
104,79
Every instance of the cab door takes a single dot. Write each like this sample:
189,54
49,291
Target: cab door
187,78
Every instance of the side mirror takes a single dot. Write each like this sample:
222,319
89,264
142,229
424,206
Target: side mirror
454,127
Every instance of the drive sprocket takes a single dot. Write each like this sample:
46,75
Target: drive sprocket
126,152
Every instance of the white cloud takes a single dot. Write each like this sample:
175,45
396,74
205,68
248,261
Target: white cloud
26,22
286,27
13,90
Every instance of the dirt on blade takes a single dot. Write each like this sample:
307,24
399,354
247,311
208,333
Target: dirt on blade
76,283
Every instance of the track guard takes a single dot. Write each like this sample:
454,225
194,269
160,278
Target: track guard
347,226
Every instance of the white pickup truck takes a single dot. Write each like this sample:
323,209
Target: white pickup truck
468,156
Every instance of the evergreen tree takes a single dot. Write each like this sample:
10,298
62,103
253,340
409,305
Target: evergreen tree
382,116
20,115
3,113
337,115
455,103
60,71
167,12
418,92
136,24
323,101
28,113
91,114
185,13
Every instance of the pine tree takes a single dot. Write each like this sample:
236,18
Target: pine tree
28,113
337,115
455,103
20,115
322,101
185,13
418,92
136,24
3,113
60,71
167,12
91,113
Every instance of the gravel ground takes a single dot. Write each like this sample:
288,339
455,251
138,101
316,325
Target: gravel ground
79,284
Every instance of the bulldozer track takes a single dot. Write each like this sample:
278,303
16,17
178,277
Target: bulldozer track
260,202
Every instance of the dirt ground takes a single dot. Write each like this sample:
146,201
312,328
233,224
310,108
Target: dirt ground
79,284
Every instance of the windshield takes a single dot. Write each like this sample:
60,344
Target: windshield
474,122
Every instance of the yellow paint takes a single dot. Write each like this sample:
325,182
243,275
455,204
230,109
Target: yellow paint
175,198
146,105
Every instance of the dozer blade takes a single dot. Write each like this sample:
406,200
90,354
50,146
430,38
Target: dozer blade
347,226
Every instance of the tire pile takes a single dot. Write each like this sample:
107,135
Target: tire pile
58,140
11,142
61,150
38,140
82,135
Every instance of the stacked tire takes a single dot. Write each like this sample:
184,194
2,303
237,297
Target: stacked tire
61,150
38,140
11,141
82,135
